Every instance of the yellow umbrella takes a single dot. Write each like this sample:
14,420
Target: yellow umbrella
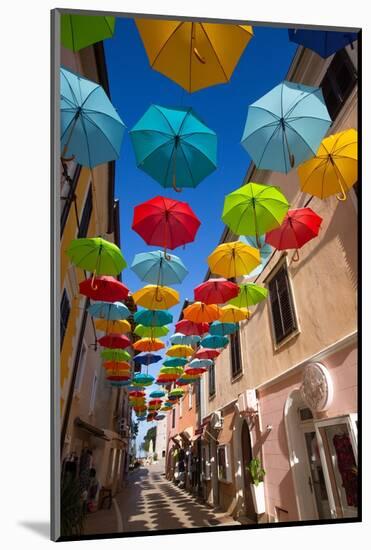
148,344
113,327
334,169
198,312
233,259
180,351
194,55
156,297
233,314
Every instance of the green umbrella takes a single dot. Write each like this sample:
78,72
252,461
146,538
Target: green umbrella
79,31
115,354
249,295
96,255
254,209
151,332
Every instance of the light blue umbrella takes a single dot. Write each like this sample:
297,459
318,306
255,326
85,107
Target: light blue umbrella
174,146
285,126
214,342
159,269
157,394
201,363
112,311
91,128
265,252
183,340
222,329
152,318
175,362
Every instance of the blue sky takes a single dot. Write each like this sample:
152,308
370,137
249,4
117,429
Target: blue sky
134,86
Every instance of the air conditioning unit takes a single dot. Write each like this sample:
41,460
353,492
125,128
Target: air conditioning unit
248,402
216,420
123,427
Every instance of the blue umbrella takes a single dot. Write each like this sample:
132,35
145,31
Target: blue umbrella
112,311
152,318
146,358
201,363
174,146
222,329
141,417
285,126
157,394
91,128
175,362
183,340
159,269
214,342
159,417
325,43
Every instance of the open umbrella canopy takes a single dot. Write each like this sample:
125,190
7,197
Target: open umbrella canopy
142,380
175,393
194,54
179,351
249,295
215,291
181,339
118,377
165,222
285,126
325,43
175,362
96,255
151,332
299,226
233,314
119,383
148,344
233,259
80,31
117,365
151,318
159,269
171,370
137,393
115,355
91,129
194,371
157,394
218,328
214,342
114,341
174,146
203,363
146,358
106,289
334,168
199,312
190,328
207,353
113,327
156,297
111,311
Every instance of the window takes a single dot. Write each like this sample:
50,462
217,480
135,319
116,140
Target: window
180,408
212,380
68,189
65,314
224,463
173,418
81,368
190,396
198,393
86,215
206,469
282,306
338,82
235,350
93,394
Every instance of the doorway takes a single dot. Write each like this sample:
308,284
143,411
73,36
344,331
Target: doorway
246,458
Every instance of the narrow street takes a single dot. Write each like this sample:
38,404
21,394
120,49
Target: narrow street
151,502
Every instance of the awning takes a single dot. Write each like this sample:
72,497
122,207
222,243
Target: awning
187,434
97,432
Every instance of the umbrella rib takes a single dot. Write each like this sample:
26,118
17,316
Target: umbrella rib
151,130
320,165
155,150
101,131
89,94
214,50
267,144
70,87
253,106
189,168
200,152
307,94
165,118
301,137
165,43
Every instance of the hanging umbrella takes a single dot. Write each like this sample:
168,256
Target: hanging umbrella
201,313
325,43
115,354
183,340
164,379
116,365
214,342
165,222
334,169
218,328
215,291
157,394
151,332
119,384
233,259
158,269
207,353
114,341
156,297
91,129
111,311
146,358
233,314
171,370
249,295
179,351
148,344
137,393
300,226
203,363
96,255
106,289
189,328
193,54
143,380
285,126
150,318
113,327
174,146
118,377
80,31
264,248
159,417
254,209
175,362
194,371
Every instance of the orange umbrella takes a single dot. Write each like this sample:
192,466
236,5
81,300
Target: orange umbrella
148,344
198,312
116,365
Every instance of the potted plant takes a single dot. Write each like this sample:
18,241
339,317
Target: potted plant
257,474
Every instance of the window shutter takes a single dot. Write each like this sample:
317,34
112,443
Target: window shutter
235,353
86,215
65,313
284,319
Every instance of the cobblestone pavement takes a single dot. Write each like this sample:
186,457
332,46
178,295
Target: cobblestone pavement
150,502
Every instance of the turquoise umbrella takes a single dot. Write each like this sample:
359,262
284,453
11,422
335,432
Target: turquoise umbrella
218,328
174,146
142,380
175,362
152,318
286,126
157,394
183,340
91,129
159,269
214,342
112,311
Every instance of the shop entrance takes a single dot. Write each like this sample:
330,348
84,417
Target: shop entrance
246,458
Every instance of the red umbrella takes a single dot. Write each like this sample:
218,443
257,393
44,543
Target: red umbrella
207,353
189,328
105,288
137,393
192,371
216,291
165,222
115,341
299,226
118,377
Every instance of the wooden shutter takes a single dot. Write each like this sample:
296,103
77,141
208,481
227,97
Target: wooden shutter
284,319
236,362
65,313
338,82
212,380
86,215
